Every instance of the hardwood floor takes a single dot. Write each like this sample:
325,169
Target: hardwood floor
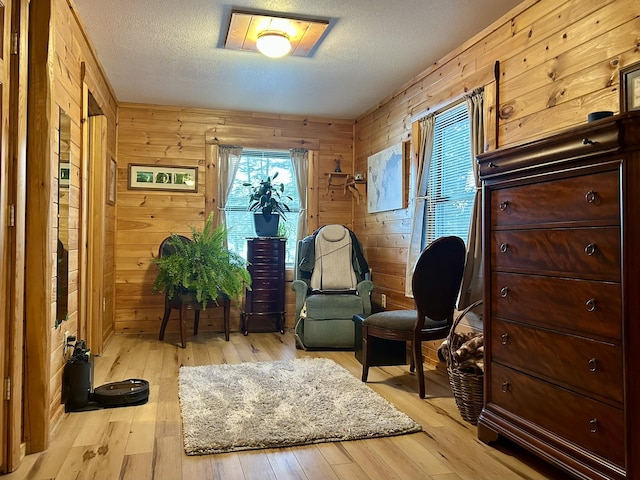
145,442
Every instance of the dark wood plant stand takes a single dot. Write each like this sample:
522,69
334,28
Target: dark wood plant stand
183,303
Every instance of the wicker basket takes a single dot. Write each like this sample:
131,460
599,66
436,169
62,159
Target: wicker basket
468,388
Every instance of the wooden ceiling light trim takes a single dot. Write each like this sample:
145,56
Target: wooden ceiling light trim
304,34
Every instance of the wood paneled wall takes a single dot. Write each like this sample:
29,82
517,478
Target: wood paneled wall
70,62
175,136
558,61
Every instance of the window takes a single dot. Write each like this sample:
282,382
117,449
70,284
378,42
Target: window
256,165
451,185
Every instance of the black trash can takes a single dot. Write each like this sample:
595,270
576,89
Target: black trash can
77,379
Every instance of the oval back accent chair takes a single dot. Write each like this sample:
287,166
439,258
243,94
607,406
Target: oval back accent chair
436,283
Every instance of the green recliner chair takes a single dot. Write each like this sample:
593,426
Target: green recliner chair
331,285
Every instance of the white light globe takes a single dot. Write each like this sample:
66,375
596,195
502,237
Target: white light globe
273,44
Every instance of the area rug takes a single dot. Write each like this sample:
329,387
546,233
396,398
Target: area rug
248,406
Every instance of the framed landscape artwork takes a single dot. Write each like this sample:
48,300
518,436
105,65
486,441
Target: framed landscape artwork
63,176
630,88
385,180
158,177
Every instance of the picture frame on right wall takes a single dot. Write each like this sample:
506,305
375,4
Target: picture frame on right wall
630,88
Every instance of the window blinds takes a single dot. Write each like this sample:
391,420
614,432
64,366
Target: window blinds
451,187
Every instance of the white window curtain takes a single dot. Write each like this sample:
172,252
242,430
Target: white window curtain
228,161
425,151
300,161
472,280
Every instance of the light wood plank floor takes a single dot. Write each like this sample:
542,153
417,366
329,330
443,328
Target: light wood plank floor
145,442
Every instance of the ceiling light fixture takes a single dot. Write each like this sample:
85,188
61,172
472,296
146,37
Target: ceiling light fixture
273,44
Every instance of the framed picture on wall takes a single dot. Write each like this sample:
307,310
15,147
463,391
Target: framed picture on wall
112,176
630,88
158,177
64,174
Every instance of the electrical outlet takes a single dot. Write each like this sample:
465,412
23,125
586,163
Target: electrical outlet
65,345
383,300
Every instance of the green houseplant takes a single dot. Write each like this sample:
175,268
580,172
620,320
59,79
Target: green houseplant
202,267
267,201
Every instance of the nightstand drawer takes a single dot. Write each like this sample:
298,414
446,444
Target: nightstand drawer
593,197
580,306
265,283
580,363
589,253
265,271
588,423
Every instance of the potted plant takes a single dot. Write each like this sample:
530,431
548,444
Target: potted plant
202,267
266,201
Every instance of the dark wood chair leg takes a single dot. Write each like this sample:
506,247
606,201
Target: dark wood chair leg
165,319
196,321
417,358
245,323
412,365
366,354
183,334
226,312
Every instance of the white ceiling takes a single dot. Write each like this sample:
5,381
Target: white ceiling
169,52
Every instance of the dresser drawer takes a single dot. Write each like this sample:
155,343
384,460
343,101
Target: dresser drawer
265,245
593,425
265,259
266,305
590,253
582,306
260,283
588,365
265,271
593,197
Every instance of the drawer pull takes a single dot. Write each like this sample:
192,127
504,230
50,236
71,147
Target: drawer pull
503,205
504,339
590,304
587,141
504,291
591,196
504,247
591,249
492,165
593,425
593,364
505,387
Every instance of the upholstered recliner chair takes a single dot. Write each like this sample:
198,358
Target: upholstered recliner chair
331,285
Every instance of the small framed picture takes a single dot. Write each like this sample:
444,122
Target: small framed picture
158,177
112,175
64,174
630,88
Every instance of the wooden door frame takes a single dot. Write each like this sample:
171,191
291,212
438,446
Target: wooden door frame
94,155
38,220
8,234
18,152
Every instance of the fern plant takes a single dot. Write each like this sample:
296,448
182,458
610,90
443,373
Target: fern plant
203,267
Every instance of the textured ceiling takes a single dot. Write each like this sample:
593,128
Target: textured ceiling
170,52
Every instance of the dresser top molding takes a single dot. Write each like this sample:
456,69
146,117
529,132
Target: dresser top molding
578,143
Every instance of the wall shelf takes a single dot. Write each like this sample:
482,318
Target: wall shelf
347,182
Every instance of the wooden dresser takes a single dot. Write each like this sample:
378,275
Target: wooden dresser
561,239
265,300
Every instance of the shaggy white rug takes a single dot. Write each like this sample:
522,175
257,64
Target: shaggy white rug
246,406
